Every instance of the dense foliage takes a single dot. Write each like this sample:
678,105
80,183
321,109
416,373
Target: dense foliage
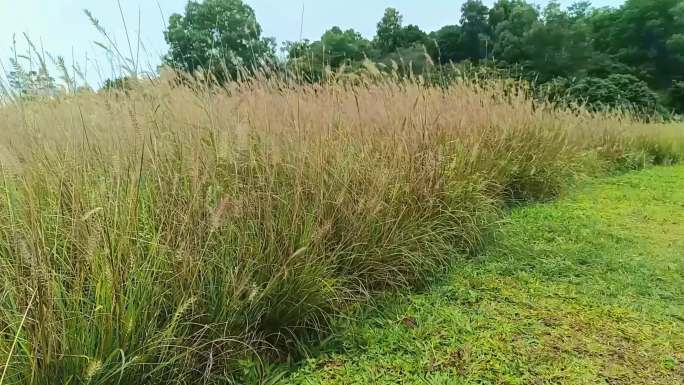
220,36
615,91
582,46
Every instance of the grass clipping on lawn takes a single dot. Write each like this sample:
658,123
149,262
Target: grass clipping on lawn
159,235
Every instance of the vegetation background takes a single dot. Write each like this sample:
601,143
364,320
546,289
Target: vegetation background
199,224
625,57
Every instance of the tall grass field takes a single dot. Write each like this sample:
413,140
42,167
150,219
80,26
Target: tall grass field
167,233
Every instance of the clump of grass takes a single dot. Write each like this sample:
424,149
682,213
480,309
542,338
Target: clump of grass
171,230
564,290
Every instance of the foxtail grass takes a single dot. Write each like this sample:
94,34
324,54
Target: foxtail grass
162,234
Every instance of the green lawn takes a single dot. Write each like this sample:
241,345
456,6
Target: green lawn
586,290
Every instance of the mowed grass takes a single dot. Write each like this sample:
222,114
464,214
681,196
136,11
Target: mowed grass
586,290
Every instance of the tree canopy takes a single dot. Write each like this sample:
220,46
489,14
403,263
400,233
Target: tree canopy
218,36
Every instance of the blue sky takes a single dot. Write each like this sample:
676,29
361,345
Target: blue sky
61,28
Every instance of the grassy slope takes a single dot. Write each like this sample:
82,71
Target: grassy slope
586,290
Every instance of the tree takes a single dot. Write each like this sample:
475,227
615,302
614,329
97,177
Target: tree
28,76
219,36
555,43
412,35
476,35
31,84
511,22
335,49
580,10
645,35
392,35
389,30
342,47
556,47
446,44
468,41
504,11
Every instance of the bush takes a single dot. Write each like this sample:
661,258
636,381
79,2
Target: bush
675,97
618,91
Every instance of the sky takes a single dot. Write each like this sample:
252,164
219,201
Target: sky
60,27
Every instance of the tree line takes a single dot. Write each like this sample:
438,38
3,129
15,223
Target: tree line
632,55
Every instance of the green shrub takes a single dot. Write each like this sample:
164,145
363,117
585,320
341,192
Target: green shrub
618,91
675,97
615,91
